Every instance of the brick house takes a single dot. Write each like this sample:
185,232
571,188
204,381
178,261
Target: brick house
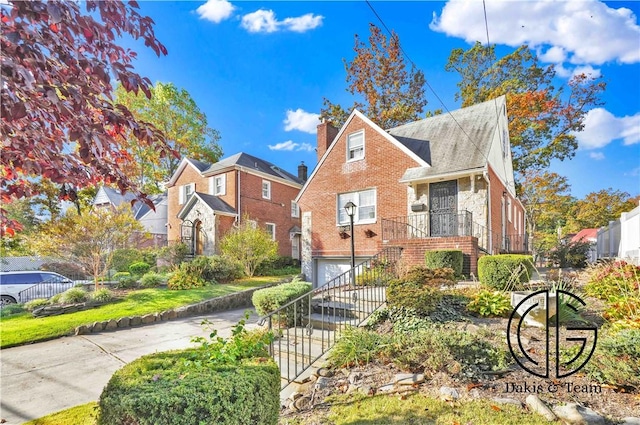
205,201
441,182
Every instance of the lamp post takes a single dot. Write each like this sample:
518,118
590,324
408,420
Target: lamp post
350,208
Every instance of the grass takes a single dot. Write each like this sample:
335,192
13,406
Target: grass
361,410
85,414
24,328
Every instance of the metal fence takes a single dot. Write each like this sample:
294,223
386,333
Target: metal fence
425,225
307,327
45,289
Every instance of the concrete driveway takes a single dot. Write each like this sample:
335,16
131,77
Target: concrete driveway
43,378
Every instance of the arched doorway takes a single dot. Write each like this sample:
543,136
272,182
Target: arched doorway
199,238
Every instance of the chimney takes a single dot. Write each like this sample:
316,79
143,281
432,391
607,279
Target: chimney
302,171
326,134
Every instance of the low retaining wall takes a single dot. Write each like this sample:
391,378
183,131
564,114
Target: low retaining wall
226,302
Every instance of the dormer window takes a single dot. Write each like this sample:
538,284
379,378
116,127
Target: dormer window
355,146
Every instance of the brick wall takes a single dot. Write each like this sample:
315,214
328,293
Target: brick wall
414,249
515,226
276,210
382,167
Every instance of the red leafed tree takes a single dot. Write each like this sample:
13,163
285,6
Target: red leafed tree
58,120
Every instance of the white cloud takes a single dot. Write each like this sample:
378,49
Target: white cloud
601,127
290,145
301,120
215,10
598,156
584,31
303,23
260,21
266,21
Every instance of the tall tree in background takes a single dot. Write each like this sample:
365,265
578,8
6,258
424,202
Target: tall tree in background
391,95
58,120
597,209
547,201
542,118
176,114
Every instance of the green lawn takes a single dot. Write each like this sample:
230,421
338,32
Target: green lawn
24,328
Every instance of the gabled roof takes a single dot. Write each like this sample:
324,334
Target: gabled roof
452,142
198,165
252,163
214,203
112,196
144,209
585,235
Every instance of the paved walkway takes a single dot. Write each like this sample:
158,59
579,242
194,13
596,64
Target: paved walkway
43,378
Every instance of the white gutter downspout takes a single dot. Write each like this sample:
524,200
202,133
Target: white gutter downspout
485,174
238,196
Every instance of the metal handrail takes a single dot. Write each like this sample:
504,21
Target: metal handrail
45,290
427,225
308,326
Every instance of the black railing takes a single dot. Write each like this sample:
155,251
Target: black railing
307,327
43,290
427,225
496,243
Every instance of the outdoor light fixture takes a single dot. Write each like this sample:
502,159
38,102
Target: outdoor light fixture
350,208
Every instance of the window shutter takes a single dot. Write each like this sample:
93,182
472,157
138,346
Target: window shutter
212,185
223,183
180,195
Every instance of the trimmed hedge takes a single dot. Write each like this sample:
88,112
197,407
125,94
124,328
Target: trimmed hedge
505,271
451,258
165,389
139,268
268,300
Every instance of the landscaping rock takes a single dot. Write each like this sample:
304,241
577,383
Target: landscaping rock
83,330
97,327
573,413
449,394
136,321
111,325
148,319
354,377
386,388
302,403
322,383
124,322
630,420
538,406
323,371
409,378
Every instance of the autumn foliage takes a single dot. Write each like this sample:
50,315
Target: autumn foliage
58,119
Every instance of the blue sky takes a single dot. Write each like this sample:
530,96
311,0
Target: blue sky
260,70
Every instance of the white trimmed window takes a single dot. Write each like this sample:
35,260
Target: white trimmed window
365,201
271,229
355,146
295,210
218,185
185,191
266,189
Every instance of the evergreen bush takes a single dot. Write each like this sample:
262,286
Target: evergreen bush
505,272
449,258
268,300
139,268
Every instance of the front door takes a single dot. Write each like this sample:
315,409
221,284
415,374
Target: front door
443,207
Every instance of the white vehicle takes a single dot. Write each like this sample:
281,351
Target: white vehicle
20,287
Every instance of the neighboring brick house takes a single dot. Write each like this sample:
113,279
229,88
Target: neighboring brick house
153,221
441,182
207,200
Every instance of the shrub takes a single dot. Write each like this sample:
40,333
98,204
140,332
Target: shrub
490,303
34,304
120,275
223,381
419,289
74,295
70,270
139,268
268,300
11,309
450,258
172,255
183,279
278,266
224,269
125,280
357,346
123,258
102,295
505,272
164,389
151,280
616,359
570,254
613,279
249,246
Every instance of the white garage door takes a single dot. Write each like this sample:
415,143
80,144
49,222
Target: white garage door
330,269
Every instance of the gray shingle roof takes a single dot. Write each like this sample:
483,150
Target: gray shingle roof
215,203
251,162
201,166
451,142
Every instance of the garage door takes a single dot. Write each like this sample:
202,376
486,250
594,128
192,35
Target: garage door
330,269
